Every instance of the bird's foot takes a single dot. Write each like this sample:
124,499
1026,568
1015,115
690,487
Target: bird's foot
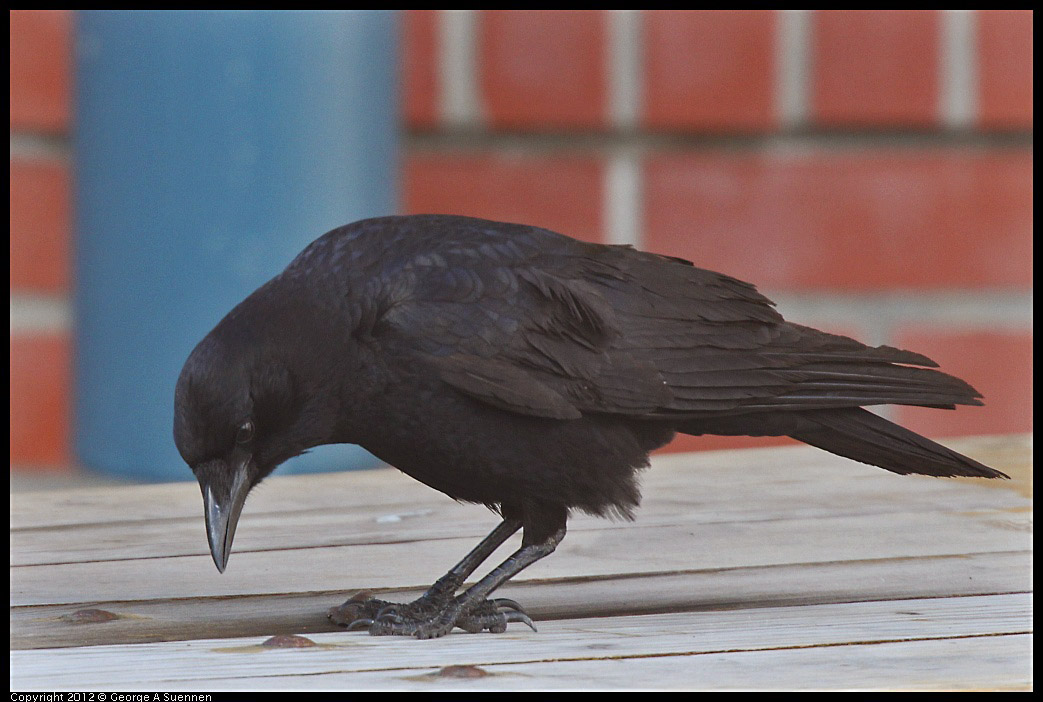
361,609
426,619
493,616
488,615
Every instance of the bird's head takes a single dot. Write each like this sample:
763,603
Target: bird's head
236,418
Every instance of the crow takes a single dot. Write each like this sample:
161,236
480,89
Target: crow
518,368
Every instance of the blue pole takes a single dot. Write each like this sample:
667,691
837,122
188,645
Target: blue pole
211,147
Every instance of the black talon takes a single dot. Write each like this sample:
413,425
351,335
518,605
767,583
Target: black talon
389,617
519,617
503,602
359,623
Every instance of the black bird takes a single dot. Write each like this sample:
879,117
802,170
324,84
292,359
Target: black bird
518,368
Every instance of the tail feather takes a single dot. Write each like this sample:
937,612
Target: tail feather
863,436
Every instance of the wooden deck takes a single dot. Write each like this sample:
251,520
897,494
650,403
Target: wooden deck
761,569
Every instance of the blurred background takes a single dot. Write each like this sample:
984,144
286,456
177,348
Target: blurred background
870,171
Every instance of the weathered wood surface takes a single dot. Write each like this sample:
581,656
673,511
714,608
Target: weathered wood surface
943,643
756,532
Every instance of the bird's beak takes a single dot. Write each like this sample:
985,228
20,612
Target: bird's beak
222,509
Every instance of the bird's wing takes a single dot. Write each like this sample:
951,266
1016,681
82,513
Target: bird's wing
721,348
563,328
519,323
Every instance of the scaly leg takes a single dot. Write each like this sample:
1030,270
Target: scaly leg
471,610
357,613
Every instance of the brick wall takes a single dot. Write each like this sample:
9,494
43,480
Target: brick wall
41,58
870,171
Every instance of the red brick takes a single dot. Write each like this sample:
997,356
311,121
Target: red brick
709,69
41,64
541,69
997,363
420,68
875,67
40,228
1005,56
563,193
40,378
847,220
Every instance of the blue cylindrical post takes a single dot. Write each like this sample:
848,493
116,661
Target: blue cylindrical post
211,147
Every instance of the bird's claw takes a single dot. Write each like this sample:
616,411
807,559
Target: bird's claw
389,617
425,619
359,624
494,616
356,609
519,616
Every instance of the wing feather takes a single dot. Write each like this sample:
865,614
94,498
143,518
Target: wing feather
540,324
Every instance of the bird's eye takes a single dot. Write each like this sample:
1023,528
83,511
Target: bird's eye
245,433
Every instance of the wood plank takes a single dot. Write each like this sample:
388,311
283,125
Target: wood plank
777,632
728,588
995,663
676,495
584,554
440,518
729,531
393,491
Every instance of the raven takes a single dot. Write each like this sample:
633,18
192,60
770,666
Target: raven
518,368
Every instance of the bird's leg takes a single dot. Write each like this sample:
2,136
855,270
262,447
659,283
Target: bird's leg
362,612
446,586
477,615
471,610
